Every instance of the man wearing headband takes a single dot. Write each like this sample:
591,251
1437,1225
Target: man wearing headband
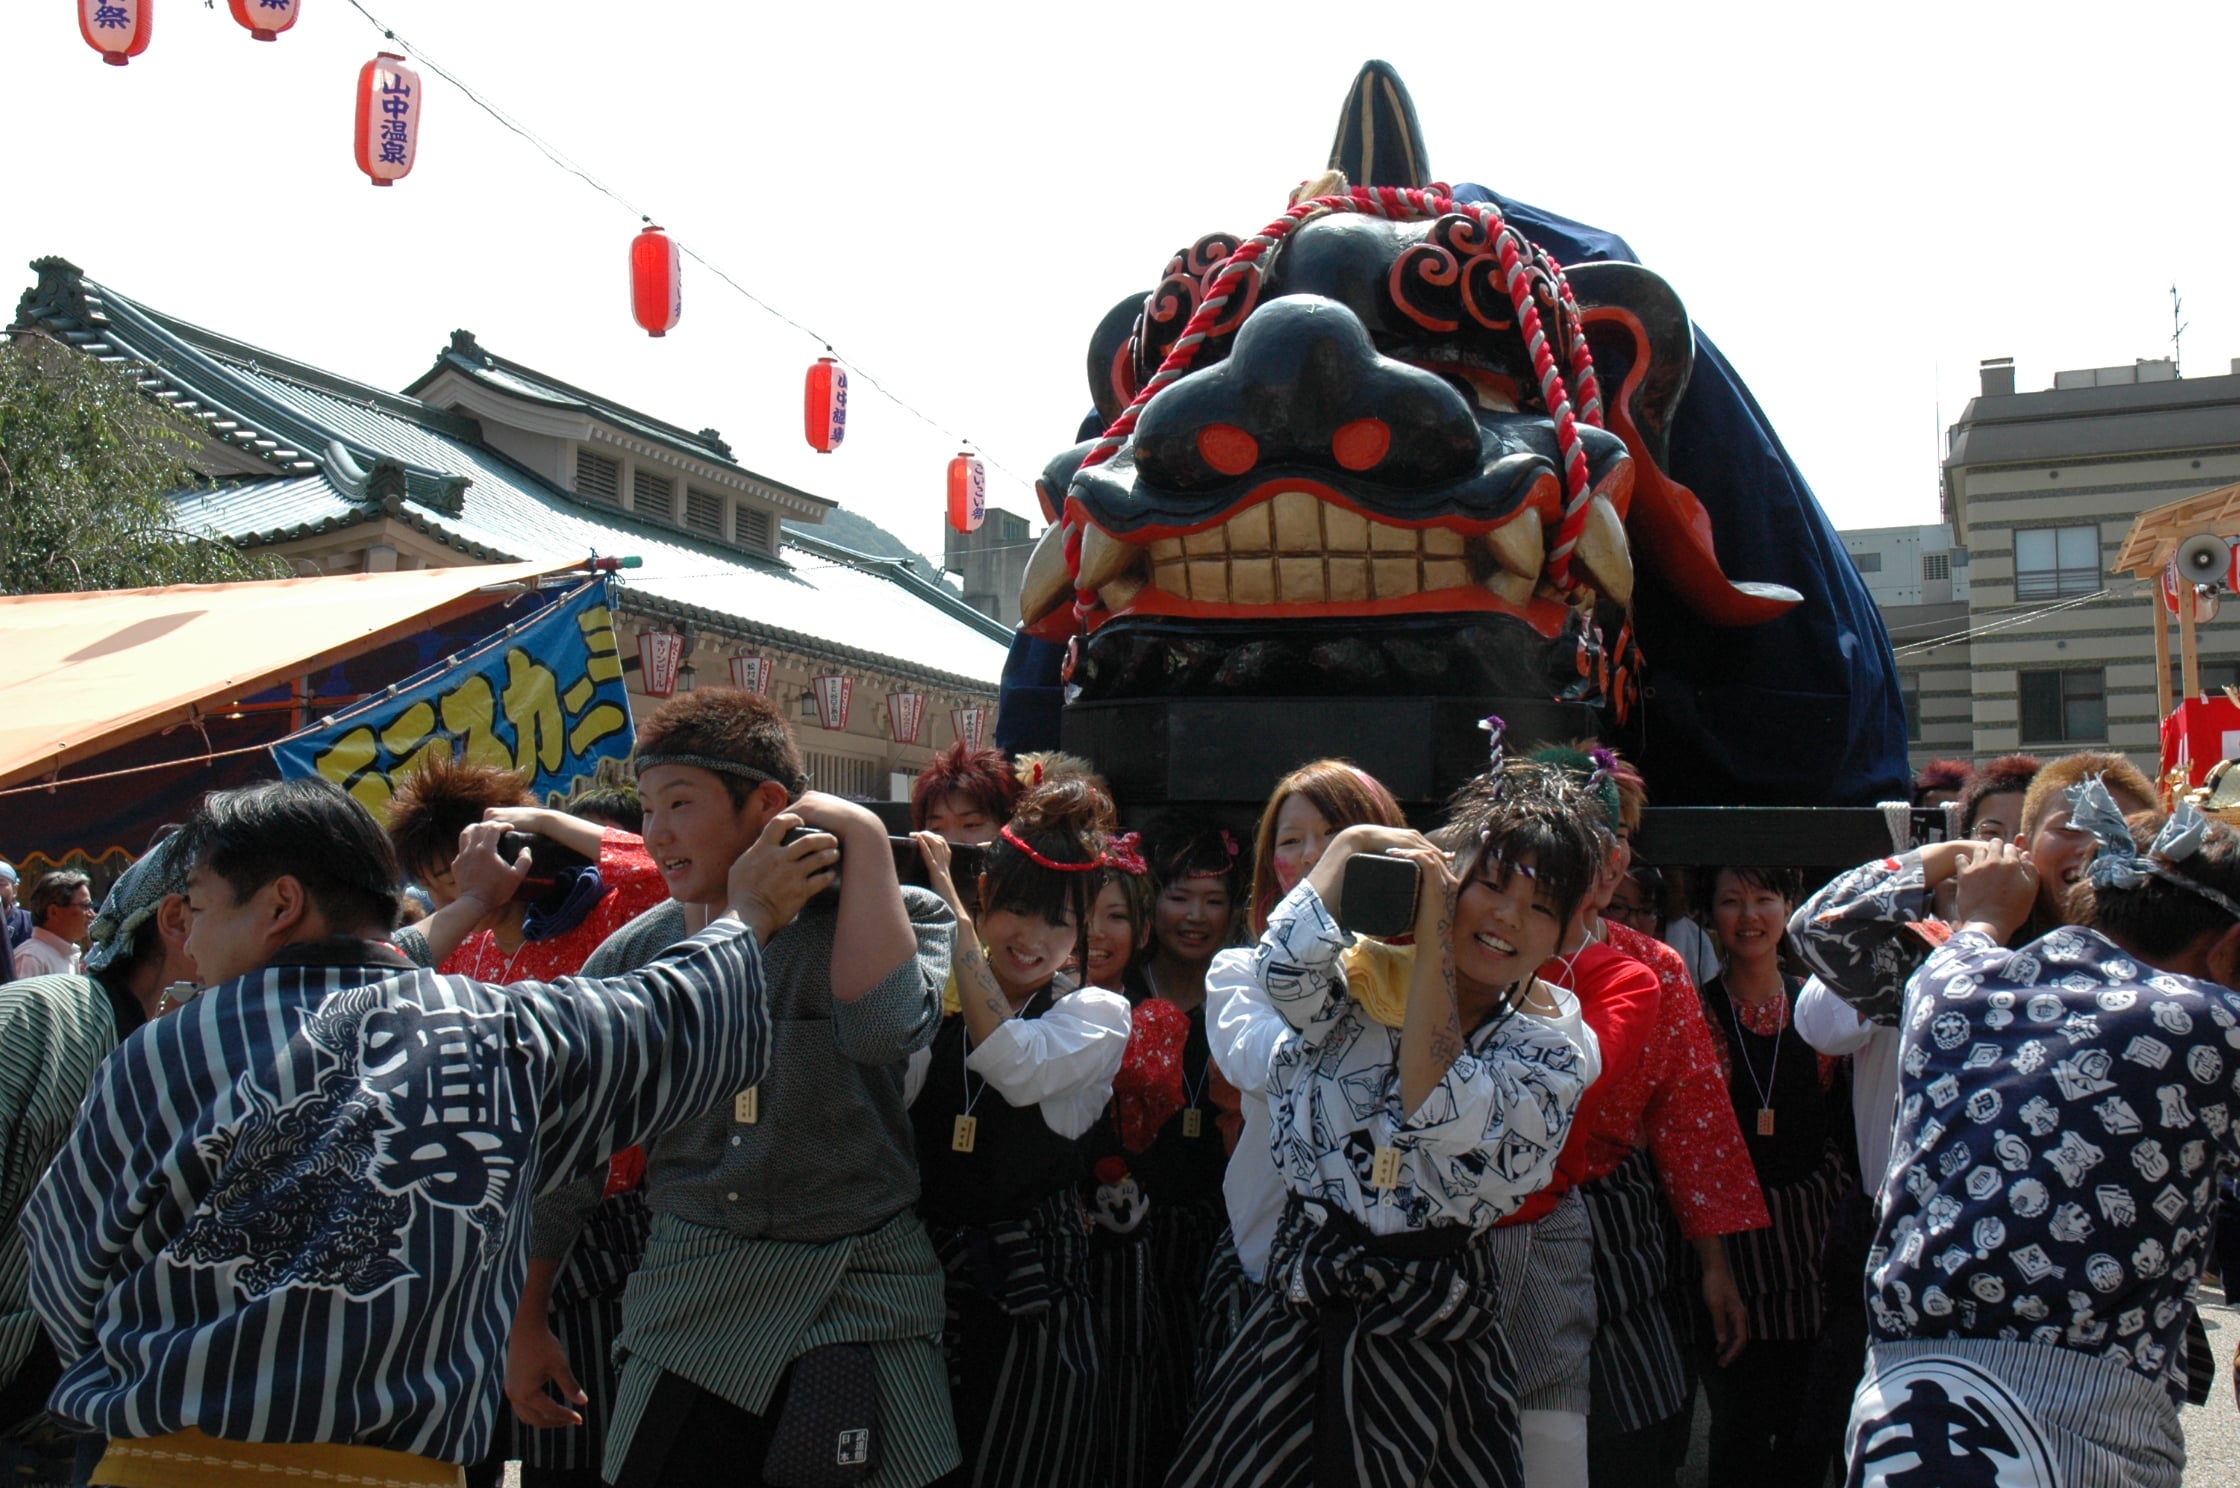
286,1237
54,1031
786,1268
2063,1111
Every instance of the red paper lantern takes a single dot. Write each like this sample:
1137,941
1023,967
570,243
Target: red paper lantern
971,725
660,657
752,673
388,119
906,715
266,19
117,29
824,405
833,695
656,288
968,492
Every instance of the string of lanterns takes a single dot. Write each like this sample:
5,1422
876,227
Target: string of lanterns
661,659
386,139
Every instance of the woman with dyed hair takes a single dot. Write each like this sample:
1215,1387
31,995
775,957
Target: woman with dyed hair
1658,1166
1381,1359
964,794
1000,1103
1305,812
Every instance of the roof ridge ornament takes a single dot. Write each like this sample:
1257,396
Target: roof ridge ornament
463,344
58,297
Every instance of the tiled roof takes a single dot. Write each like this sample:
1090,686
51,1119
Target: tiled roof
344,453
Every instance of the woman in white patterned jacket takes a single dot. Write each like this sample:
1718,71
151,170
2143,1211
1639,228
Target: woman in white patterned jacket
1375,1356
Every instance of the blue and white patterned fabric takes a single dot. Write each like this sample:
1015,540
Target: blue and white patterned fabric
1485,1138
297,1210
2064,1111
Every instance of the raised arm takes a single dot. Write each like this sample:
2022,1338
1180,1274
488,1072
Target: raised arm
874,936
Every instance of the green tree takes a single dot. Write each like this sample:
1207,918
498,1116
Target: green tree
90,473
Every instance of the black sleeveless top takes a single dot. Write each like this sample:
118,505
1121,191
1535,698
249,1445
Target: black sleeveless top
1803,1112
1176,1168
1016,1161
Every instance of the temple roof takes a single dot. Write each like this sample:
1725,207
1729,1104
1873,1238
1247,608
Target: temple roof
301,451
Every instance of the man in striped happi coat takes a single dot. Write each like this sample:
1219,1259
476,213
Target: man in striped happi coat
289,1231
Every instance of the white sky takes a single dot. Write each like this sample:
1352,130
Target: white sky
954,194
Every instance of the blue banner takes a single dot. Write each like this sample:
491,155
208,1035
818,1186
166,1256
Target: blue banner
544,697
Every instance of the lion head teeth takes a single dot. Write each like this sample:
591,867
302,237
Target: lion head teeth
1296,548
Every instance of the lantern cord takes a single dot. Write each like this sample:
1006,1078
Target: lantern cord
561,159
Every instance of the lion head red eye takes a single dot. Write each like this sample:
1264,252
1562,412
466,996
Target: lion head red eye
1362,443
1228,448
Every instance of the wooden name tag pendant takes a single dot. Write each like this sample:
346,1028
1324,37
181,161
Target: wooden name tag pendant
1385,1172
1765,1121
746,1106
964,1134
1193,1123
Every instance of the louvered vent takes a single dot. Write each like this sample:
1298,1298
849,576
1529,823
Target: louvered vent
754,530
598,478
653,496
703,511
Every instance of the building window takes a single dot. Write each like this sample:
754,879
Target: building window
1867,562
653,495
703,511
1935,566
1909,691
2056,562
2065,707
598,478
2216,676
754,529
842,775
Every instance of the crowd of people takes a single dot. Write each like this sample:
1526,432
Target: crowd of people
708,1134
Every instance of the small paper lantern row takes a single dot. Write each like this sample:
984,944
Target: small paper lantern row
388,119
906,715
833,695
656,286
660,656
752,673
117,29
971,725
968,492
266,19
824,405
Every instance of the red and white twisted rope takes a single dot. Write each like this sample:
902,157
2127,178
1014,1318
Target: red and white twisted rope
1515,252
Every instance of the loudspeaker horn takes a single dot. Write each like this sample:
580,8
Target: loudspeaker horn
2204,558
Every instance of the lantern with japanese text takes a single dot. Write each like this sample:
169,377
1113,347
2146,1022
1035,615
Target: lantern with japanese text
656,286
388,119
824,405
117,29
833,695
906,715
266,19
968,492
752,674
660,657
971,725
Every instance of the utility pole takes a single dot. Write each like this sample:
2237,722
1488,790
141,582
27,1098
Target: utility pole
2177,334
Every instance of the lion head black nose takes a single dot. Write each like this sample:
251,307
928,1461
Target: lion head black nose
1304,392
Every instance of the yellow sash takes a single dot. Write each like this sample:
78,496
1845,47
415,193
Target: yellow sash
189,1459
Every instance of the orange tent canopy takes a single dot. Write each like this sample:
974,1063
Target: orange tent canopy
83,673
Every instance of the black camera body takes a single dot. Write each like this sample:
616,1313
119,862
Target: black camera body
1377,896
549,863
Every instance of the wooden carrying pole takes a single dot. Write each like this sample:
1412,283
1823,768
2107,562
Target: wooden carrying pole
2162,704
2189,653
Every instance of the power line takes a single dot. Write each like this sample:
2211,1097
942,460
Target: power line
2009,623
562,159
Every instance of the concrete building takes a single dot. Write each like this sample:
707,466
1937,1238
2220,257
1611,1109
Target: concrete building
2039,489
1919,579
992,562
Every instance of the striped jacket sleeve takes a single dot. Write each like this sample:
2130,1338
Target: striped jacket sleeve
630,1057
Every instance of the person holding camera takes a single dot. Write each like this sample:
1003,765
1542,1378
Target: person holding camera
1376,1355
1001,1102
285,1240
788,1297
2064,1110
585,882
